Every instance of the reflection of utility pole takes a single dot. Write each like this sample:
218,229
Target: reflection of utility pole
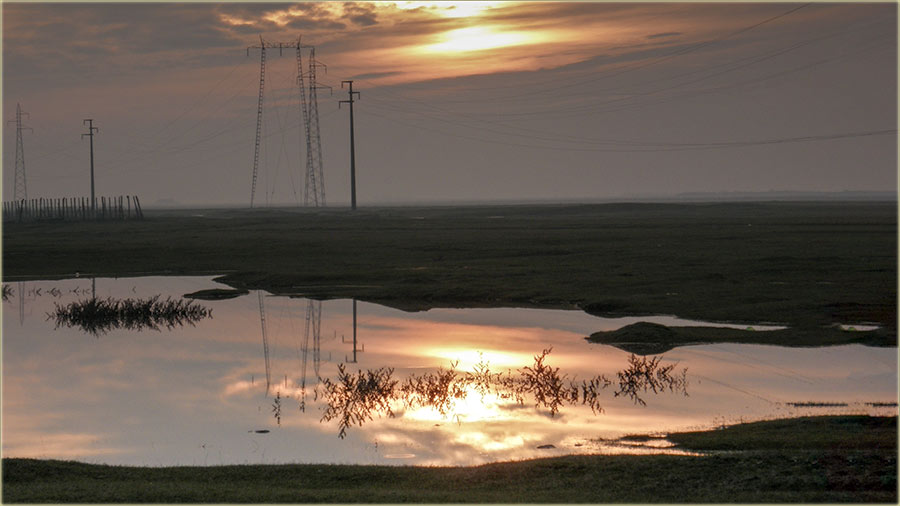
91,130
93,288
355,349
352,148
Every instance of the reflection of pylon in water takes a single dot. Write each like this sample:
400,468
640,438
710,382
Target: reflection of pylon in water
21,288
265,339
314,327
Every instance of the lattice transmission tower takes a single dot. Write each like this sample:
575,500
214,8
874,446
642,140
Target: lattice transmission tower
314,181
20,190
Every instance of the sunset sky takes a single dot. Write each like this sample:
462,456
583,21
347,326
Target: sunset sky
461,101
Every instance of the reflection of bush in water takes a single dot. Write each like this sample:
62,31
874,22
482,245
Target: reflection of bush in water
356,399
99,316
7,292
645,374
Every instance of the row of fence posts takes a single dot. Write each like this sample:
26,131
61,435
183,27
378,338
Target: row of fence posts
126,207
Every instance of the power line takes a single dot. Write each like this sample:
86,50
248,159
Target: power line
582,109
675,54
650,149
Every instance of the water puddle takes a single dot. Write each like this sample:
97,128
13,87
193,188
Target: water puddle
858,328
127,371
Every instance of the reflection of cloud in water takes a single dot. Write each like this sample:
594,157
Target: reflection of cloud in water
60,445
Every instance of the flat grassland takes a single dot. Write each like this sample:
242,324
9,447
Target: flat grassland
804,265
820,459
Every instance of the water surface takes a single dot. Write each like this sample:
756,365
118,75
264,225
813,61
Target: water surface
199,392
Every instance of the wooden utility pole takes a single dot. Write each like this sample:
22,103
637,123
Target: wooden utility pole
352,145
91,130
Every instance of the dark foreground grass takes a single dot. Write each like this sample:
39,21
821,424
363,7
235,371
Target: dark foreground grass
802,264
833,468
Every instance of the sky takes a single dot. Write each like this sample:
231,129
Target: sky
459,101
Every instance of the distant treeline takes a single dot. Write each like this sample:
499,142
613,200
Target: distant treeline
126,207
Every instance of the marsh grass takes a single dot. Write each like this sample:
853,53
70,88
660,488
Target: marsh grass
98,316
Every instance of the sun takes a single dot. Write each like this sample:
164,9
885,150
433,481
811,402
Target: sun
477,38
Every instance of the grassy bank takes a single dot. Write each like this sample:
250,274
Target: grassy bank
822,459
646,338
801,264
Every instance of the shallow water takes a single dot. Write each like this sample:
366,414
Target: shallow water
197,393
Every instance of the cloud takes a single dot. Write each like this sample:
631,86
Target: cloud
376,75
663,35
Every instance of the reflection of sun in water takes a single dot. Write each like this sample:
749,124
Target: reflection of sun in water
467,358
487,443
473,407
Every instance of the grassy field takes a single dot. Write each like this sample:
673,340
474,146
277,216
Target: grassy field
821,459
806,265
646,338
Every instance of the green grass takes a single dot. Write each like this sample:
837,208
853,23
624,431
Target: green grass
854,461
832,433
646,338
801,264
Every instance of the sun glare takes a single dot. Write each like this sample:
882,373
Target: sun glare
477,38
467,358
473,407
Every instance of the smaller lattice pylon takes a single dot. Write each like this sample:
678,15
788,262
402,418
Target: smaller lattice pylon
20,190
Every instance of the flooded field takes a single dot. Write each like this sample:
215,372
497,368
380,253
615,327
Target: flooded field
127,371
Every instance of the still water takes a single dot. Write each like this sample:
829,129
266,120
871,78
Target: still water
267,379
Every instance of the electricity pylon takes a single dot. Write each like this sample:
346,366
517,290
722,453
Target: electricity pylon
314,186
262,82
315,179
20,191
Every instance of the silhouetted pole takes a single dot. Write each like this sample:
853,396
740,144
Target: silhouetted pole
352,145
91,130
